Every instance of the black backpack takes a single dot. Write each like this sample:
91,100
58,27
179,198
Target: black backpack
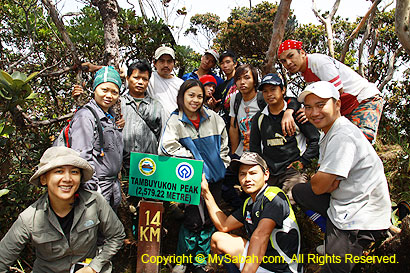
238,98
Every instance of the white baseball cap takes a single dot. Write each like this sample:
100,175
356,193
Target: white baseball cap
164,50
321,89
213,53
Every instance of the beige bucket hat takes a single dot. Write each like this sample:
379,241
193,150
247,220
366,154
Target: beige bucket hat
61,156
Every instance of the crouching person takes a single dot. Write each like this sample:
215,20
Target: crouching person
62,225
350,187
268,218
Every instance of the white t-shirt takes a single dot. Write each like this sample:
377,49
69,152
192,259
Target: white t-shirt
324,68
165,91
245,113
362,199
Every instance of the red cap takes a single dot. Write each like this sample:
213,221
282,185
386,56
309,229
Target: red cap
289,44
207,79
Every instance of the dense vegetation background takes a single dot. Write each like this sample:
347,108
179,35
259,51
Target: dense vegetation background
32,113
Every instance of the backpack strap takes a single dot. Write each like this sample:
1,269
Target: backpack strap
238,98
260,100
153,129
260,119
99,129
236,104
244,206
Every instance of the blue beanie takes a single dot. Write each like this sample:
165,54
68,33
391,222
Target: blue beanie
107,74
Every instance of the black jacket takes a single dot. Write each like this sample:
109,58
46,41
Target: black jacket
279,151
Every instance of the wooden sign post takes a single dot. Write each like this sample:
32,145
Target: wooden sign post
160,178
149,236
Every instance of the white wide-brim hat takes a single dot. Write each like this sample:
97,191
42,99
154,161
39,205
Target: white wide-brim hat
61,156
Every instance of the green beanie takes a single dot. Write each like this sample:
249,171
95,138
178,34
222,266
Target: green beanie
107,74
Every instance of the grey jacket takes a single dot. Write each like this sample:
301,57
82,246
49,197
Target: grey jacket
84,135
39,226
142,128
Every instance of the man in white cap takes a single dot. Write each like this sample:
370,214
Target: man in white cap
350,187
164,85
208,61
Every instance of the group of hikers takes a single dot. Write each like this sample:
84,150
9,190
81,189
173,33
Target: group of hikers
247,132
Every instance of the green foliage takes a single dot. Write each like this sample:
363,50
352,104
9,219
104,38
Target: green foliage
248,32
14,89
208,25
187,58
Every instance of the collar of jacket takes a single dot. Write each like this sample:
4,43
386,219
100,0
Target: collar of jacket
265,110
202,114
130,99
84,196
100,111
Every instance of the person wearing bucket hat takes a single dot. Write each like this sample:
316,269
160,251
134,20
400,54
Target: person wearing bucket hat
361,101
62,225
105,158
350,187
286,155
268,218
208,62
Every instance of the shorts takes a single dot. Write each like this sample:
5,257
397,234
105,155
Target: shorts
244,254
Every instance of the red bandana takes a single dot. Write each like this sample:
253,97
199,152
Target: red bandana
289,44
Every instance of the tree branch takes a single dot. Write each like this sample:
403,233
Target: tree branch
327,21
387,5
364,39
69,14
278,32
334,9
391,69
356,31
316,12
58,72
61,28
36,123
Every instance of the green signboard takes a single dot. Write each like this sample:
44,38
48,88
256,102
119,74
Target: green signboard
165,178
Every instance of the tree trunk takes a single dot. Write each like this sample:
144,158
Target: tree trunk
278,32
402,23
109,12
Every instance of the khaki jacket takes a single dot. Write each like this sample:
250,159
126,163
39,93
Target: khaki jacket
39,226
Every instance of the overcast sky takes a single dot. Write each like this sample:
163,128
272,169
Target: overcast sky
350,9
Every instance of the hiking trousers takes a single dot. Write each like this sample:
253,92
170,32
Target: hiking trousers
341,246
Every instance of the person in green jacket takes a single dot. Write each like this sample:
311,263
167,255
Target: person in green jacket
62,225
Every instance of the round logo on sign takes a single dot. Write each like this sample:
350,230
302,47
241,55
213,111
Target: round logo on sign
147,166
184,171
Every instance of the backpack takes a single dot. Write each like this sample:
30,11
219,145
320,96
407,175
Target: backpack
64,139
238,98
